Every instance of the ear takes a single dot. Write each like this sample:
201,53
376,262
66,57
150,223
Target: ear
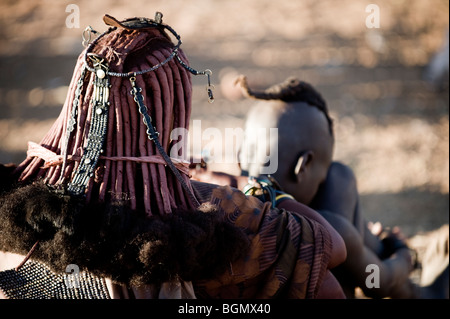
303,163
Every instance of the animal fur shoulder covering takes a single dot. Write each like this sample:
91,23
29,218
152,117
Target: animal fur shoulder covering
112,241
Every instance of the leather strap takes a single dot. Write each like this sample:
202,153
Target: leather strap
134,23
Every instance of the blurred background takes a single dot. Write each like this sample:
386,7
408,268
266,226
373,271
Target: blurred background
386,86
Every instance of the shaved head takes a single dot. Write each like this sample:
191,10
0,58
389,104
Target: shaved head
302,129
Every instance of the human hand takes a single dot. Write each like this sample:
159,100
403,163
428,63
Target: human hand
395,242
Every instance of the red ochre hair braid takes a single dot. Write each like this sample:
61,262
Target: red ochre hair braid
167,93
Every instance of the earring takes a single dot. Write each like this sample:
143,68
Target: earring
299,165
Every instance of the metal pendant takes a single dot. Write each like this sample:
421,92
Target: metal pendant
97,130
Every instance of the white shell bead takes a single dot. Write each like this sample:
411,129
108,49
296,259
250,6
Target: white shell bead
100,73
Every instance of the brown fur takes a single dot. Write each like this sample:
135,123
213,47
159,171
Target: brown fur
112,241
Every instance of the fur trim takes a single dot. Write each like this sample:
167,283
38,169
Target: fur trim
110,240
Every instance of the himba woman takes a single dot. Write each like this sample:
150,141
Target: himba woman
99,210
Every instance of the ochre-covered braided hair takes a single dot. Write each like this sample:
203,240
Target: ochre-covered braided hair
124,171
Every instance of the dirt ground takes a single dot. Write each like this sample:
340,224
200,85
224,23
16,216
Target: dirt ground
392,127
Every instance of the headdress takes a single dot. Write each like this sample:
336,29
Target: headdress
130,88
